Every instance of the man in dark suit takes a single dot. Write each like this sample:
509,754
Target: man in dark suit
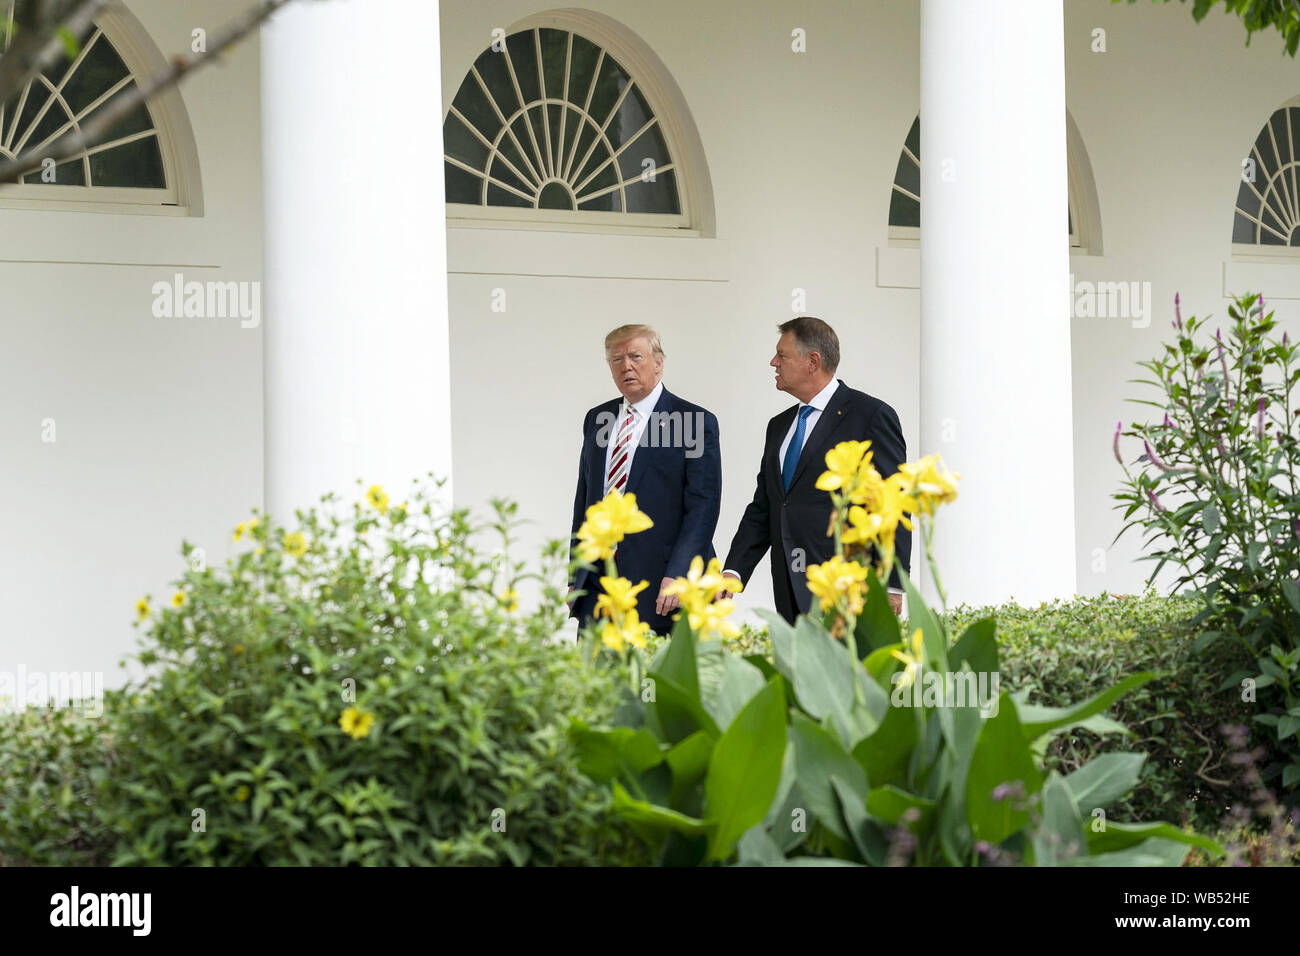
789,514
664,450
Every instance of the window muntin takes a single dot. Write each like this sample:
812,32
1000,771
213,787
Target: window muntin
1267,211
70,92
549,120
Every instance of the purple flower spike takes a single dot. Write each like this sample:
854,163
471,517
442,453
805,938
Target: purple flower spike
1001,792
1178,314
1259,419
1155,502
1115,443
1167,422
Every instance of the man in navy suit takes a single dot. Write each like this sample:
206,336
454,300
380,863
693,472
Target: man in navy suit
662,449
789,514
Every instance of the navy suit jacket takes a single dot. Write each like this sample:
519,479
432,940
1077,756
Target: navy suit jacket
676,476
794,524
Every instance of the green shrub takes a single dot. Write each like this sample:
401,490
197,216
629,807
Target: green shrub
359,690
1066,650
52,762
1216,497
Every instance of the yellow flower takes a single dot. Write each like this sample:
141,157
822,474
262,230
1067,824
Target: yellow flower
355,723
632,632
701,585
142,608
838,579
178,599
295,544
239,530
911,660
242,793
619,597
608,522
510,600
878,522
844,462
239,648
712,618
378,500
929,484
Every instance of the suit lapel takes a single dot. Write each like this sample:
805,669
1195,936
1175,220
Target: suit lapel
815,445
773,459
646,445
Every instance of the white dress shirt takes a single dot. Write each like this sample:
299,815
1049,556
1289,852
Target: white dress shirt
642,409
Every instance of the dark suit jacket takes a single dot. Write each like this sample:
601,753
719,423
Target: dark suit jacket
676,476
798,520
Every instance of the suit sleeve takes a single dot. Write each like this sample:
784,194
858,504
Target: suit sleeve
753,537
702,499
580,496
890,451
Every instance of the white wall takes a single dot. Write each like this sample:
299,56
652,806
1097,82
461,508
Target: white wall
158,421
1168,113
802,151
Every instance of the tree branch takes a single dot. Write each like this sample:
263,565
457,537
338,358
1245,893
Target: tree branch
36,42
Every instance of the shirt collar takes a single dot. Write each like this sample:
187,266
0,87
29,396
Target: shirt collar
647,404
822,398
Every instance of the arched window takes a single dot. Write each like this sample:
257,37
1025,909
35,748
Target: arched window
1268,199
905,197
137,164
568,120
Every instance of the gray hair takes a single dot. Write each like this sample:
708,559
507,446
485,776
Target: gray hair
813,335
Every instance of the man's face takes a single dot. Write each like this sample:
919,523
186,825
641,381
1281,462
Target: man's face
636,369
793,371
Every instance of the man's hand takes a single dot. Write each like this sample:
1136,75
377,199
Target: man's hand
723,595
666,603
896,602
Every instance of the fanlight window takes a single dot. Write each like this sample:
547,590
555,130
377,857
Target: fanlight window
905,198
548,120
72,91
1268,200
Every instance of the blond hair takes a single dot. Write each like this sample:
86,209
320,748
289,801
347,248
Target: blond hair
625,332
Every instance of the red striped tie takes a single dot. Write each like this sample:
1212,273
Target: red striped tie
620,457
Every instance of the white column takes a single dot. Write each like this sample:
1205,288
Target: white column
355,290
995,328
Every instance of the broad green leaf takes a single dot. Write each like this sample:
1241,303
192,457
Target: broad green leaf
877,625
1121,836
678,662
740,682
688,761
651,821
781,634
757,848
605,755
1001,759
890,803
745,769
1059,837
866,833
678,713
978,647
823,671
886,754
818,754
1040,720
1104,779
920,615
1153,852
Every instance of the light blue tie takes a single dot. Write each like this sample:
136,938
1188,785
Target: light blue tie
796,446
